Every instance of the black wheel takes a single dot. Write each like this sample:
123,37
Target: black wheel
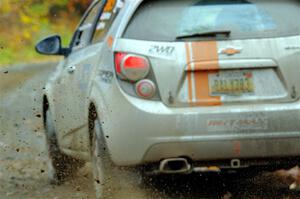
110,180
60,166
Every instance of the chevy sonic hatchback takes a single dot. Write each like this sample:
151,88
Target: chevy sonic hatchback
166,87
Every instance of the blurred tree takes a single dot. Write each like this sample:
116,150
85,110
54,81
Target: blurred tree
31,15
24,21
78,6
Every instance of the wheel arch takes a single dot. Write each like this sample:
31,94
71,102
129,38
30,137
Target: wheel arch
45,108
96,104
96,109
92,115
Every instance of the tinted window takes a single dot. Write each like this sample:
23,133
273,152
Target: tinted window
83,34
109,14
162,20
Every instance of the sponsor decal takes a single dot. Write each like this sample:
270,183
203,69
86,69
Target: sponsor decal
106,76
110,41
109,5
242,123
162,50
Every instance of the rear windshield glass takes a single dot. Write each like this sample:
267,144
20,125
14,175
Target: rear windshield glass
165,20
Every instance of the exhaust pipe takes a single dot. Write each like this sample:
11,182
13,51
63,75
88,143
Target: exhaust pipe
175,166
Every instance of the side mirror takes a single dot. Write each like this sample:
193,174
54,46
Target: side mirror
51,46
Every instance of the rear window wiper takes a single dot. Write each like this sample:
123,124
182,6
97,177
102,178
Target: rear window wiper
206,34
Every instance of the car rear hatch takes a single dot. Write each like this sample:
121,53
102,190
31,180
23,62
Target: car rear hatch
260,65
209,73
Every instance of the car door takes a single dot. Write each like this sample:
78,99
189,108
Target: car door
81,67
67,96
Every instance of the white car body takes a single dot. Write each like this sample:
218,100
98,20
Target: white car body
182,123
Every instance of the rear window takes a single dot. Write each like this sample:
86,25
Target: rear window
164,20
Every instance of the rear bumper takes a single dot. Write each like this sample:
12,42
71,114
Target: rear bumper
141,131
246,166
228,147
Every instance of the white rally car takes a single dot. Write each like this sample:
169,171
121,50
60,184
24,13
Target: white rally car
175,87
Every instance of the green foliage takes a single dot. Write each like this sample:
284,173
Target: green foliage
27,21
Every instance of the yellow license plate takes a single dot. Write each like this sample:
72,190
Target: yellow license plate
231,83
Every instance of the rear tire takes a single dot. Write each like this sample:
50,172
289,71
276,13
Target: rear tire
110,181
60,166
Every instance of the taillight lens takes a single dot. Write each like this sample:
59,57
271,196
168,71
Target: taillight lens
145,89
118,60
131,67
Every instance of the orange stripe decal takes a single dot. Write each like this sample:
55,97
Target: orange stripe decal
110,41
206,65
206,52
206,55
189,75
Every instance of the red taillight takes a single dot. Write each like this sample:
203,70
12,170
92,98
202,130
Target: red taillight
135,62
118,60
131,67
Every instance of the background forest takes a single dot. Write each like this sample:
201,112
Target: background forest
24,22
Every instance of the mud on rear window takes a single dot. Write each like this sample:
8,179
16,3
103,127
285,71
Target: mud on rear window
164,20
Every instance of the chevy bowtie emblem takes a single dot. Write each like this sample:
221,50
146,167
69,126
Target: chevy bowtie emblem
230,51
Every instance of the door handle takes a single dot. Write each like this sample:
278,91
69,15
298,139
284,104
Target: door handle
71,69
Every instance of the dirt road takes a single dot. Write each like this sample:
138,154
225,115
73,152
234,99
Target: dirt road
23,170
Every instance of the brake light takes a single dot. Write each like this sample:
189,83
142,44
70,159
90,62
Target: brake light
131,67
135,62
118,59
